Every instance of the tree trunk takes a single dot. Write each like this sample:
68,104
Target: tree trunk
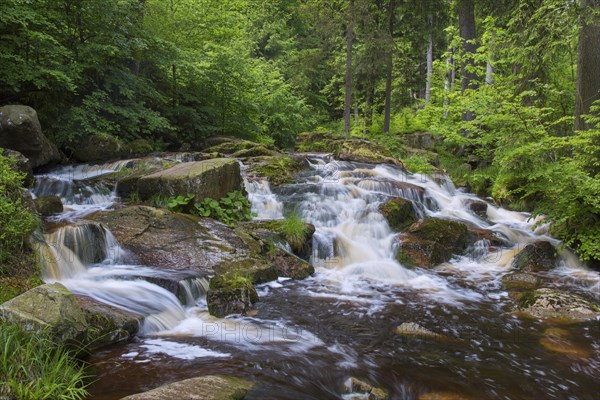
466,25
369,106
429,63
489,74
588,62
466,28
348,78
390,69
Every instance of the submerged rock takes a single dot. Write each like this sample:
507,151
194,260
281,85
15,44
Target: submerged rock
444,396
536,257
48,205
414,329
359,389
478,207
557,340
210,178
431,242
211,387
399,213
230,294
20,130
557,304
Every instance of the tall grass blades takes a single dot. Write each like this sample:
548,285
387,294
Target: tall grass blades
32,367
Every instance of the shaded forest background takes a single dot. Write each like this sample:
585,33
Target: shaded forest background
506,86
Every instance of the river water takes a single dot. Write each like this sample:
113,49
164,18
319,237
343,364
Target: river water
309,336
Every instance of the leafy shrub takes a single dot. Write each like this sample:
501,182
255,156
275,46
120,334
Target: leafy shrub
229,209
33,367
16,220
418,164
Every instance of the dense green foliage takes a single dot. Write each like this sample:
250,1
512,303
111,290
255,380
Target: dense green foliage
229,209
32,367
16,220
168,71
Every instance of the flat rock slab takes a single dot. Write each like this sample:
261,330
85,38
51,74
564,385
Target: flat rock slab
212,387
210,178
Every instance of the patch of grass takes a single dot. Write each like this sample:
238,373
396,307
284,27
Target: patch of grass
34,367
294,230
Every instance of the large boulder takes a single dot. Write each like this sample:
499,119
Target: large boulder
557,304
211,387
50,307
536,257
48,205
230,294
431,242
278,170
399,213
99,148
20,130
107,324
364,151
21,164
421,140
175,241
74,320
210,178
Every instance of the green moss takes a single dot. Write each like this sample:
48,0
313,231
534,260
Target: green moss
527,299
406,260
399,213
278,170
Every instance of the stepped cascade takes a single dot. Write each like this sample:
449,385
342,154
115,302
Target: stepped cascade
310,334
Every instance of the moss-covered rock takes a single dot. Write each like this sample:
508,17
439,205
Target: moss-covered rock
48,307
107,324
278,170
212,387
520,281
536,257
557,304
230,294
210,178
20,130
431,242
358,150
256,151
99,148
177,241
48,205
76,321
399,213
290,266
478,207
138,147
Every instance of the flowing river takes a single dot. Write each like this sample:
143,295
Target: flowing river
309,336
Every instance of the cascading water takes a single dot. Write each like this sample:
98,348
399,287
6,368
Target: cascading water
309,336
